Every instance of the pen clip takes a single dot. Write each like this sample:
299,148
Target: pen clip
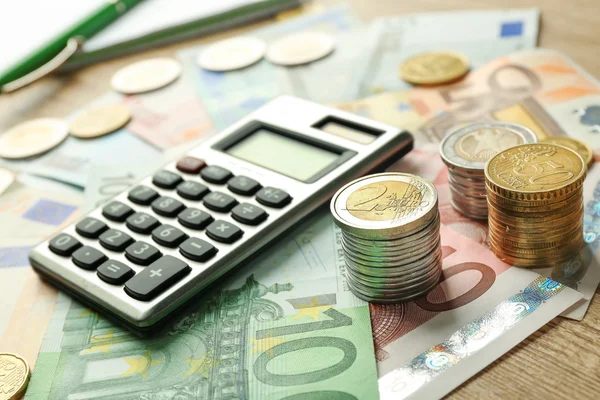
73,44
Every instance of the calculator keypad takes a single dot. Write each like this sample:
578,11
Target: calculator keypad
141,222
90,227
156,278
162,271
168,235
223,231
115,240
114,272
64,244
166,179
117,211
142,253
88,257
167,206
220,202
142,195
215,174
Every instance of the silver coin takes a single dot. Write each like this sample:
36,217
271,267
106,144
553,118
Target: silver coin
32,138
398,283
146,75
389,299
415,286
471,146
385,206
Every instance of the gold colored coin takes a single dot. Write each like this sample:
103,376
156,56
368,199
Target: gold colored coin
384,201
14,376
581,148
100,121
434,68
535,168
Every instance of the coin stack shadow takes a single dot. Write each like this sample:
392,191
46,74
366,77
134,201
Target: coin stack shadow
531,225
391,260
465,152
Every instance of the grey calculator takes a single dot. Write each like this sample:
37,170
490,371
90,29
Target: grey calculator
151,248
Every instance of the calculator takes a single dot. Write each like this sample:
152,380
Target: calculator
150,249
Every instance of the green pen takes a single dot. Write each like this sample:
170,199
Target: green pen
53,54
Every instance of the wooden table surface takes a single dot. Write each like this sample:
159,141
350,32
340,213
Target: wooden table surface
561,360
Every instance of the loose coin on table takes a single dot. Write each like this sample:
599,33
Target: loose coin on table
144,76
32,138
100,121
434,68
300,48
14,376
535,204
466,150
390,236
232,54
581,148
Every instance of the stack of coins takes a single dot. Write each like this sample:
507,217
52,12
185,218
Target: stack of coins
390,236
535,200
466,150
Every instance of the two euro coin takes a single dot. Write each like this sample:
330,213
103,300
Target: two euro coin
390,236
465,151
535,204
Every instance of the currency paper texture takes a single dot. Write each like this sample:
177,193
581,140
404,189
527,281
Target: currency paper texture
282,326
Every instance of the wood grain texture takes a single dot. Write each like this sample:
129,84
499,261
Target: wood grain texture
561,360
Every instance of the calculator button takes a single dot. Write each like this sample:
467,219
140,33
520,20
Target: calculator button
114,272
223,231
197,249
194,219
273,197
192,190
190,165
166,179
142,195
63,244
168,236
157,278
142,253
117,211
141,222
87,257
90,227
250,214
243,185
115,240
218,201
167,206
215,174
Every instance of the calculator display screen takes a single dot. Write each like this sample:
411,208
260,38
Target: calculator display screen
283,154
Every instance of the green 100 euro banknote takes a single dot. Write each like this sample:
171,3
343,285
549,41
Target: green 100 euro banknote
281,327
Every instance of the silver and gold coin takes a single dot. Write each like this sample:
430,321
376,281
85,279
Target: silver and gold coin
466,151
390,236
14,376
